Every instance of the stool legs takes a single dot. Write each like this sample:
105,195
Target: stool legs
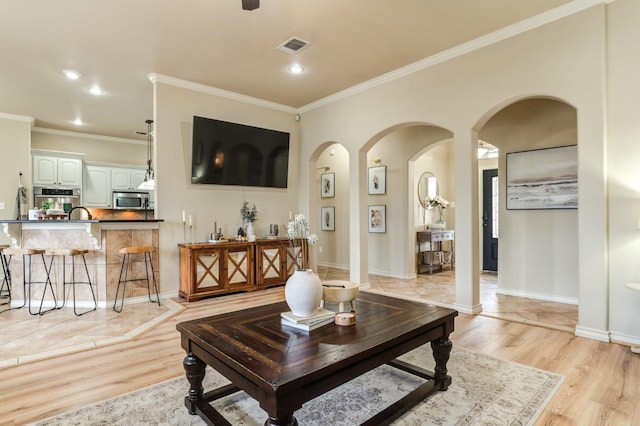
27,285
124,269
122,282
149,264
73,283
5,289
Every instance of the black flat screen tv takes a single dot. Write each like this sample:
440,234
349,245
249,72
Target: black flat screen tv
236,154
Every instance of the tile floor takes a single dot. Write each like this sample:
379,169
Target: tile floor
439,288
27,338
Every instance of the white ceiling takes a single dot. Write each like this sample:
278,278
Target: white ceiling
118,43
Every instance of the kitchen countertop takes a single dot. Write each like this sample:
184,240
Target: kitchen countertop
14,228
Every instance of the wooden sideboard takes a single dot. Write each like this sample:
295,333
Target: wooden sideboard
432,254
212,269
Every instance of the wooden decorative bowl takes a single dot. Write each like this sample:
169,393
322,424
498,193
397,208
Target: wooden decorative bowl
341,292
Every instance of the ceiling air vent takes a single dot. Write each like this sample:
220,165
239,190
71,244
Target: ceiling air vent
293,45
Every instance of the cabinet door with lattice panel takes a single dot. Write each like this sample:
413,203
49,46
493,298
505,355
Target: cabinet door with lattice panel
271,267
207,271
238,267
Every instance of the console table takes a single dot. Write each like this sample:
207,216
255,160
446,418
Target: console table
435,248
212,269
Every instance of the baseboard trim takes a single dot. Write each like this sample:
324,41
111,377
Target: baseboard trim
538,296
592,333
624,339
468,309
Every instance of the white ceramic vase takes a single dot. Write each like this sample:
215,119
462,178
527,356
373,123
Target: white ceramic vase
303,292
250,232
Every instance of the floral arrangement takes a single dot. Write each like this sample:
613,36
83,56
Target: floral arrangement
298,228
438,201
249,212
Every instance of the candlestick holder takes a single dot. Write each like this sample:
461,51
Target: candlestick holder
190,230
184,232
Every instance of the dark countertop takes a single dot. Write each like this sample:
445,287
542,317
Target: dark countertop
83,221
126,220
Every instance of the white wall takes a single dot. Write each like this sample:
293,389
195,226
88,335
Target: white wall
15,134
96,148
174,111
333,246
623,156
563,59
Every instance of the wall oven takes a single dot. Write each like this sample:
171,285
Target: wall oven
130,200
55,198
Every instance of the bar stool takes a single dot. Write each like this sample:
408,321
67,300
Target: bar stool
5,289
27,280
73,253
126,265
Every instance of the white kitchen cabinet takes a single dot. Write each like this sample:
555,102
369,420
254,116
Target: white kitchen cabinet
126,179
97,186
57,171
137,177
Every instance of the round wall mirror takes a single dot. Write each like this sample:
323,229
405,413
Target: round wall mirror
427,188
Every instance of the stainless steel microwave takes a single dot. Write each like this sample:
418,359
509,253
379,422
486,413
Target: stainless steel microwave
130,200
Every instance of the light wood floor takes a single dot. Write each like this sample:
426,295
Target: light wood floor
602,385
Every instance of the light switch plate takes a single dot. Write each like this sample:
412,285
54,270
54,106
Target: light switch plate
2,207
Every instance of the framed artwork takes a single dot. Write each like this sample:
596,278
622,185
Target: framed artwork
328,218
543,179
377,219
327,185
377,180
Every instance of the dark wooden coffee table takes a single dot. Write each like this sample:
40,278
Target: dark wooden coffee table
282,368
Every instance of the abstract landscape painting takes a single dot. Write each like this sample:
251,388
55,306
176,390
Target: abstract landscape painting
543,178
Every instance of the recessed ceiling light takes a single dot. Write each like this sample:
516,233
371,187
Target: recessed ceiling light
78,122
71,74
96,90
296,69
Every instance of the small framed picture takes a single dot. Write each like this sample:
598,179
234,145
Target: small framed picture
328,218
377,180
377,219
327,185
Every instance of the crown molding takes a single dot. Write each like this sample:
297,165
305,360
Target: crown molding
197,87
87,136
537,21
16,117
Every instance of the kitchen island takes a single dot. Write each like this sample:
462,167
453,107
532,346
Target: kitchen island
103,239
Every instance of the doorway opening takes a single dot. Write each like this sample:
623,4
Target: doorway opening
490,220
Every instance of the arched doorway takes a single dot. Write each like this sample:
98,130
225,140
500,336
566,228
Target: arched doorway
538,248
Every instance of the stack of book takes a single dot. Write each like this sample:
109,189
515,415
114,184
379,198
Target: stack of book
321,317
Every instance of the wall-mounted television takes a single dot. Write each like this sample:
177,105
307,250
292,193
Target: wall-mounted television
227,153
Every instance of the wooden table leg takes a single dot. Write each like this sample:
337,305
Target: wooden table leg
286,421
441,351
195,369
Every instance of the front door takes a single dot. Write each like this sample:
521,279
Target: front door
490,220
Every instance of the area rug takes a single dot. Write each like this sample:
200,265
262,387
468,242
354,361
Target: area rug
485,391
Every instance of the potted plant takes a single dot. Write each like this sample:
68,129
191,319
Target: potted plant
249,214
441,204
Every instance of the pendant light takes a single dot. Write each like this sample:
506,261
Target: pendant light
149,183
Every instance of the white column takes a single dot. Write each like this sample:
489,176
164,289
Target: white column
358,237
467,229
